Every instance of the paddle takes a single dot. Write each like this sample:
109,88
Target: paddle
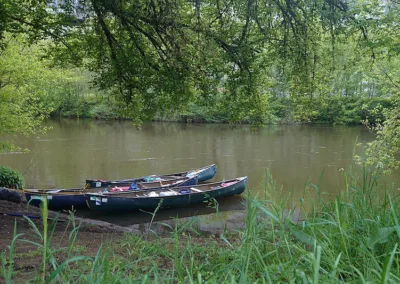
29,216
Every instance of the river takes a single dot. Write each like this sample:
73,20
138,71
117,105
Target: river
73,150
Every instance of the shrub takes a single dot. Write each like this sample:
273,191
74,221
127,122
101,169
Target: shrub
10,178
103,111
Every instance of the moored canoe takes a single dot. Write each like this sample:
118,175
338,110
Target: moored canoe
175,197
59,199
203,174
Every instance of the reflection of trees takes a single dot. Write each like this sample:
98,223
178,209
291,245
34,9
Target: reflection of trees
75,150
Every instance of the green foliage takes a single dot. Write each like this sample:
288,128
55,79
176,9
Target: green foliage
339,110
332,110
104,111
383,43
383,152
72,95
158,56
32,88
21,86
10,178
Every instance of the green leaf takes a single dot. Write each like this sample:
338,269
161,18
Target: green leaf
387,266
303,237
381,236
58,270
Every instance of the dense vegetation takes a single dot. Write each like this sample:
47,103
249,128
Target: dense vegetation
235,57
10,178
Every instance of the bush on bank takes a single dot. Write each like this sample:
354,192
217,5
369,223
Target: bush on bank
10,178
332,110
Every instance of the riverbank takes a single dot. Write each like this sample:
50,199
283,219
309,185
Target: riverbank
349,238
27,257
72,236
330,111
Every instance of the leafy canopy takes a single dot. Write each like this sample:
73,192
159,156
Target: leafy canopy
160,55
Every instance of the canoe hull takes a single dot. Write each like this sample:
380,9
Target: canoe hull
58,201
67,201
121,204
208,174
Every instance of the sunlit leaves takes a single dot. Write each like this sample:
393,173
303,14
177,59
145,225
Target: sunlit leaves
26,80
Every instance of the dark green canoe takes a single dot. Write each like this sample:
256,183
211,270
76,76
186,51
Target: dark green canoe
59,199
176,197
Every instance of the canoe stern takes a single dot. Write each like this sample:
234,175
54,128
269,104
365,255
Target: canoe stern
208,173
57,201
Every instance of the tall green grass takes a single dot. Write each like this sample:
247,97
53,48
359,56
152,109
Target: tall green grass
352,237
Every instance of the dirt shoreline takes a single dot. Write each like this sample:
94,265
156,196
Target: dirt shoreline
27,257
7,209
91,235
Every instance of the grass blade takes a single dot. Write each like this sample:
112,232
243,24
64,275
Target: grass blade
387,266
58,270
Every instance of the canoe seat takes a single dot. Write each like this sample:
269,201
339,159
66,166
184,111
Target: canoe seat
172,177
195,189
146,185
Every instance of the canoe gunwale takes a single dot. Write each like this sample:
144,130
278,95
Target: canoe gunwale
119,204
119,194
130,180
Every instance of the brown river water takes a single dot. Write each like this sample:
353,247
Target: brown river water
73,150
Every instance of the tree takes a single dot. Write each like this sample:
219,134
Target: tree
25,81
383,43
160,55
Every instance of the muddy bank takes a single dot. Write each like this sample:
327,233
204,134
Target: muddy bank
28,257
10,211
94,232
91,234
